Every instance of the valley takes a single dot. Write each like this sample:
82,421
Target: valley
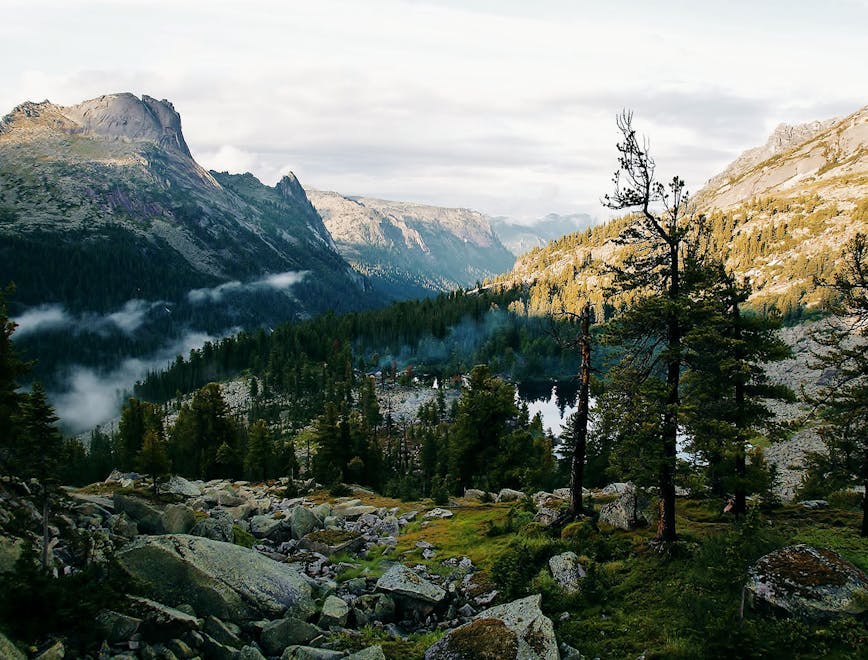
283,422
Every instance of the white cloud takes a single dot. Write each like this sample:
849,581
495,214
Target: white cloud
43,317
128,318
218,293
90,397
502,106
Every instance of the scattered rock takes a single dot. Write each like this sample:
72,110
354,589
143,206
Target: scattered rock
56,651
310,653
334,612
303,521
149,519
516,630
809,583
217,527
567,571
509,495
814,504
161,621
8,650
439,513
626,512
115,627
277,635
178,519
177,485
370,653
402,581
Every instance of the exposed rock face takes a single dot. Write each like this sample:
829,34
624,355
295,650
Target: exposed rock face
412,249
8,650
516,630
216,578
519,238
810,583
125,117
628,511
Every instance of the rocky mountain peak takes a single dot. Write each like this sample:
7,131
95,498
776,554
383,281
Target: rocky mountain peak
290,188
126,117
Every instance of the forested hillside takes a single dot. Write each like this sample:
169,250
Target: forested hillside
779,222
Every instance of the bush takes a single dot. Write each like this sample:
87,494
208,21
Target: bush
515,568
340,489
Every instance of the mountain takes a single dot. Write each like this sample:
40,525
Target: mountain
779,214
521,238
116,239
409,250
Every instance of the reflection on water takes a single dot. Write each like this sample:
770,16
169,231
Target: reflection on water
554,400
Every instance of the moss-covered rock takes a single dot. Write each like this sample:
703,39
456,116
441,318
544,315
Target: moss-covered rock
809,583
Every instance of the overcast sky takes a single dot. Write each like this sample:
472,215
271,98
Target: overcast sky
504,106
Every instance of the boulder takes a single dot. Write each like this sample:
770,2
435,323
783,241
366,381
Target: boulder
10,550
303,521
250,653
217,527
567,571
122,525
277,635
374,607
370,653
161,621
474,494
148,518
56,651
178,519
509,495
617,488
808,583
329,541
334,612
814,504
310,653
228,581
116,627
517,630
438,513
402,581
177,485
263,527
222,632
8,650
626,512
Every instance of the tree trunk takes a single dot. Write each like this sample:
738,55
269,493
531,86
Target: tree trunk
45,529
577,465
865,511
740,505
666,525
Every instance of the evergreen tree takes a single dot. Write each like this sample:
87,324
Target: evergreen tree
152,459
843,403
259,452
42,449
667,245
11,369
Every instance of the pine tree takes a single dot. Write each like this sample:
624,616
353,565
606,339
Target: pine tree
667,244
843,403
258,454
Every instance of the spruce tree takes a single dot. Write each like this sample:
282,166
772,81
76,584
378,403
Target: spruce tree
152,459
11,369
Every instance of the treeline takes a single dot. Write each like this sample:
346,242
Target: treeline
760,235
442,336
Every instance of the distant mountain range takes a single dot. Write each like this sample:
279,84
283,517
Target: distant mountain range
521,238
103,209
410,250
780,214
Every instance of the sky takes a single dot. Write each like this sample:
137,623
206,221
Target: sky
507,107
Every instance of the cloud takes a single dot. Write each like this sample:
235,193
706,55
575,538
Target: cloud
128,318
216,294
88,397
43,317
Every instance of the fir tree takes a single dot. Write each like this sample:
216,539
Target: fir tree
152,459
